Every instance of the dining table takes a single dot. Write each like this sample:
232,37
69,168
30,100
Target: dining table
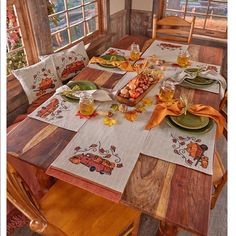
179,197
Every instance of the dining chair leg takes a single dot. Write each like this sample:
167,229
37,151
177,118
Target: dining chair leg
166,229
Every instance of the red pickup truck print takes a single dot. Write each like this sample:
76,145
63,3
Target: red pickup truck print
72,68
94,162
51,107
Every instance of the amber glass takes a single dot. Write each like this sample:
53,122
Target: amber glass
86,104
167,91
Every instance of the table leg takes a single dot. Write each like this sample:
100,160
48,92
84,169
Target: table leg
166,229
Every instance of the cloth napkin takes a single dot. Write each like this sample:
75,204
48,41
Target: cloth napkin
98,95
175,108
209,74
122,65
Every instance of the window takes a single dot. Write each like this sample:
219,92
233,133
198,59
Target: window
73,20
211,15
19,44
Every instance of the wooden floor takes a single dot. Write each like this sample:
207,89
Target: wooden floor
148,225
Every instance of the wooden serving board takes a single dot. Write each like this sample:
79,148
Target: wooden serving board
134,102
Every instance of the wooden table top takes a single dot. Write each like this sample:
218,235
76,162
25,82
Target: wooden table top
166,191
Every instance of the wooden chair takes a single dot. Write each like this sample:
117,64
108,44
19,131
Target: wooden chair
68,210
219,177
173,28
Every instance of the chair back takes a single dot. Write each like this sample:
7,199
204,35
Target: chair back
19,194
223,111
173,28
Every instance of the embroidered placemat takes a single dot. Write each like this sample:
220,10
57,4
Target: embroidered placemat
165,50
103,155
175,146
60,113
120,52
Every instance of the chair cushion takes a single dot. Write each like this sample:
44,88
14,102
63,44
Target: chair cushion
38,79
78,212
70,62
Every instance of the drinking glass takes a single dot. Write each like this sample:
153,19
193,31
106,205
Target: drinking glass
183,58
135,52
167,91
86,104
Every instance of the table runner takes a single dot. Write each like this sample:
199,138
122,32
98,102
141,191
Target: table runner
58,112
120,52
165,50
101,154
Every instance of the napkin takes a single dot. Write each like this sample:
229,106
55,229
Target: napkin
180,76
122,65
175,108
98,95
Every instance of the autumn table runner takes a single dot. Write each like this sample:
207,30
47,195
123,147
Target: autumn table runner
103,154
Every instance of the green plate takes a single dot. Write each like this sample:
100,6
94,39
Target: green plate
190,121
200,81
83,84
197,86
110,57
204,130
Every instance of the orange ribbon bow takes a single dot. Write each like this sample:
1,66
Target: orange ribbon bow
176,109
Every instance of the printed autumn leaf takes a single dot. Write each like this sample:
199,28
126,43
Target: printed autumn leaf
93,145
101,150
107,156
77,149
131,115
119,165
109,121
113,148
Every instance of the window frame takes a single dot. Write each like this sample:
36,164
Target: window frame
203,31
87,36
26,32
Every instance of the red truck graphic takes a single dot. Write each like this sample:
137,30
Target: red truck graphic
51,107
94,162
72,68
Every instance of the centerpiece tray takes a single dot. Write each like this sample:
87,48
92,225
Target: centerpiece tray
136,89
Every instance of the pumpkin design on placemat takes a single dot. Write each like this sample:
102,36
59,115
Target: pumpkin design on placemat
52,110
44,80
191,150
95,157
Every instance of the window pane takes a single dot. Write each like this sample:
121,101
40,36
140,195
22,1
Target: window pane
197,6
60,39
75,16
56,6
90,10
174,4
77,31
216,23
57,22
14,40
73,3
11,17
92,25
219,9
87,1
16,60
174,13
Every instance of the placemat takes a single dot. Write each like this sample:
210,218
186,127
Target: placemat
165,50
60,113
175,146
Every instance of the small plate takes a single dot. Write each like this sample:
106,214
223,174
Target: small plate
200,81
196,86
190,121
83,84
204,130
110,57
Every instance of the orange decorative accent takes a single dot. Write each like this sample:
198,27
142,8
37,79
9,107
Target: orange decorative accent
72,68
52,106
46,84
175,108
